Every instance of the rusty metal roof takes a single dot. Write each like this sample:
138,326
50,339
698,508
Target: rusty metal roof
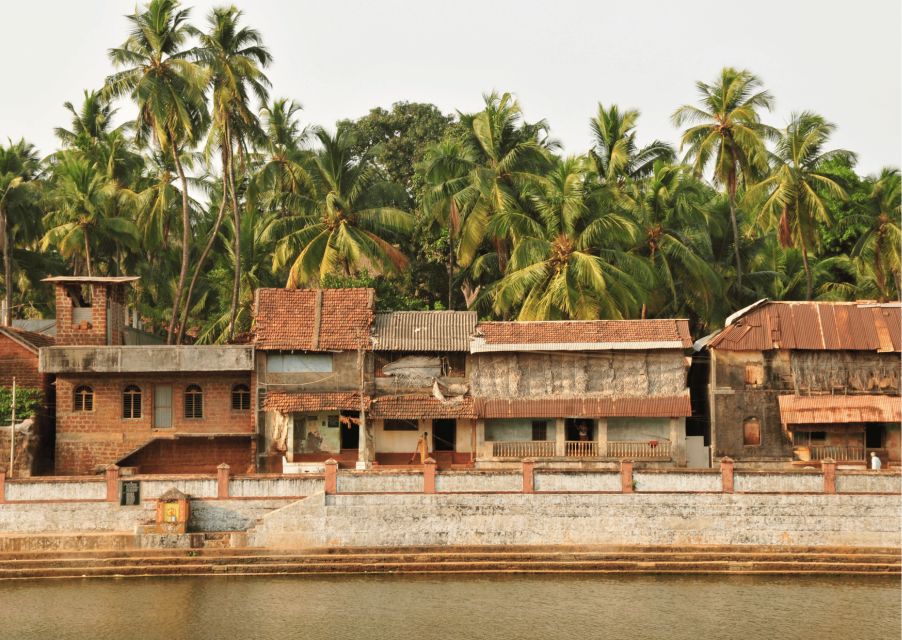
313,319
581,335
839,409
92,279
413,407
284,402
424,330
28,339
644,407
831,326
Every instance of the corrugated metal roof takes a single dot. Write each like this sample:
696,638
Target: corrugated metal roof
419,406
831,326
31,341
47,326
584,335
424,330
645,407
284,402
839,409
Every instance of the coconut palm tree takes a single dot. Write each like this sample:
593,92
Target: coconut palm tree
792,196
82,212
878,249
168,89
575,267
235,57
727,133
615,152
351,221
283,183
19,209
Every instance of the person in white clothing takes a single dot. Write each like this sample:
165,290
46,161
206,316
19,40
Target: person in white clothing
875,461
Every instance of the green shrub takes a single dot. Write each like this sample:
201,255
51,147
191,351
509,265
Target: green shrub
28,402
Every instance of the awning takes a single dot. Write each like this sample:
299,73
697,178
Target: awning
313,402
644,407
839,409
412,407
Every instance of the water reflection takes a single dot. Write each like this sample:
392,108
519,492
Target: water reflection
402,608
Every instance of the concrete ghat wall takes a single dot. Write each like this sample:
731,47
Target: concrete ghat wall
575,481
864,482
681,519
764,482
275,487
353,482
675,481
478,481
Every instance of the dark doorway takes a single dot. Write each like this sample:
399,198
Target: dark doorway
580,430
444,434
873,436
350,430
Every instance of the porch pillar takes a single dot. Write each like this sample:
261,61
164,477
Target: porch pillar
829,467
560,437
678,441
366,446
601,436
480,439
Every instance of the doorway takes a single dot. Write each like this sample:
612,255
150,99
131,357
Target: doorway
444,435
580,430
350,430
874,436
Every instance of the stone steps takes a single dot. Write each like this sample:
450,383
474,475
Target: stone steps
448,561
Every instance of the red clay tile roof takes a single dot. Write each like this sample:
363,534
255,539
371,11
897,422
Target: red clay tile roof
419,406
839,409
313,319
582,335
29,339
832,326
311,402
653,407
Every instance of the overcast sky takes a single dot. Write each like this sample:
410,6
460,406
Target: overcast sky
560,58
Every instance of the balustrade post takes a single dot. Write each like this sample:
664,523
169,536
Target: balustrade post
828,465
529,482
112,483
2,487
726,474
429,476
626,476
331,482
222,480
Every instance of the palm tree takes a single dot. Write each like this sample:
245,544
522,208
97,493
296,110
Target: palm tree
282,183
169,91
878,248
573,267
792,195
235,57
18,208
351,217
670,209
509,154
727,131
615,153
82,211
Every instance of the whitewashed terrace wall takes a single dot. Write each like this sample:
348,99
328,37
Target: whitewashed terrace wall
651,481
570,481
767,482
379,482
55,490
275,487
478,481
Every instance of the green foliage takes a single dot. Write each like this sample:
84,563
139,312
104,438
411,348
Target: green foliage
28,402
389,291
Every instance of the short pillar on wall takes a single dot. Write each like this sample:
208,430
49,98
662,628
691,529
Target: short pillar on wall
828,465
2,487
222,480
331,484
529,477
112,483
626,476
429,476
726,474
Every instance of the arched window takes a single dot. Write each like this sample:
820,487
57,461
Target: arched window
131,402
241,397
84,398
194,402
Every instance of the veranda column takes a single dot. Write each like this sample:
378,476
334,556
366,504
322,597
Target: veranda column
601,436
480,439
678,441
560,437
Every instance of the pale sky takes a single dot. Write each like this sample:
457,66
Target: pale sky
339,59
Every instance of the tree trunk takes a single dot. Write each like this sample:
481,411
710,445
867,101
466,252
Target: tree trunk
809,283
203,257
732,199
186,246
84,234
7,272
236,217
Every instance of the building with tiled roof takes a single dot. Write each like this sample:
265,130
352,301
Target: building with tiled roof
798,382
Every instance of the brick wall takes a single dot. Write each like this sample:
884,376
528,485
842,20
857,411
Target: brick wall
107,307
87,440
194,455
18,362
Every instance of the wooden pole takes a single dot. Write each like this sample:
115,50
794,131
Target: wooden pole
12,431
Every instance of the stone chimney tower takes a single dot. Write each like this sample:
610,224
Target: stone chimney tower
90,311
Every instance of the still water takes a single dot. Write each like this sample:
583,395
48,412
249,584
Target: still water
401,608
